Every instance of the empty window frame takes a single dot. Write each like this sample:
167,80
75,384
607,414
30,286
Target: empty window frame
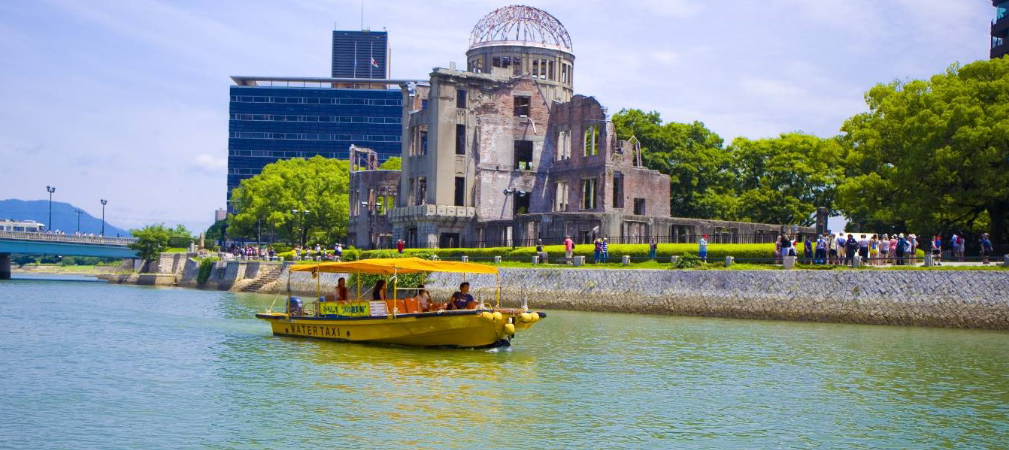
590,143
618,190
563,150
639,207
460,98
588,193
423,142
460,191
523,155
550,71
460,139
560,196
421,191
522,105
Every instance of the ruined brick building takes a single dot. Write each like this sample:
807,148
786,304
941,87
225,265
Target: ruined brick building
505,153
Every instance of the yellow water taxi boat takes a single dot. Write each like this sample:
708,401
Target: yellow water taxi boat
400,321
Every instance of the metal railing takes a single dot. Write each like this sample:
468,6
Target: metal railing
720,238
66,238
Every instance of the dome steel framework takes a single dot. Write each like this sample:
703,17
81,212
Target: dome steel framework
523,24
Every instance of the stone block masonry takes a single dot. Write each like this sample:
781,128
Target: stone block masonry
935,298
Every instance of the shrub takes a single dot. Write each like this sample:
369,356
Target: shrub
281,248
687,262
179,241
206,267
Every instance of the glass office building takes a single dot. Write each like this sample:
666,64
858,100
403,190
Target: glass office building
270,120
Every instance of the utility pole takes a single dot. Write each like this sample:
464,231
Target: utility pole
50,189
78,219
104,202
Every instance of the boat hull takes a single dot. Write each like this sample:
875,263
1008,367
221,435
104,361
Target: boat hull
464,329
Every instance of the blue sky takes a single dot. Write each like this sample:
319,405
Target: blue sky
128,100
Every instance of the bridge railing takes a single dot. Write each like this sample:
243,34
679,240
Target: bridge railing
66,238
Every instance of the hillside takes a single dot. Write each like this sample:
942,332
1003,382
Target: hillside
64,217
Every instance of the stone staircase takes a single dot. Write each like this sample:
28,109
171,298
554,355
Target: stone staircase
265,278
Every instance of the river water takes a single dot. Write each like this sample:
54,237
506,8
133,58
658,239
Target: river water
91,365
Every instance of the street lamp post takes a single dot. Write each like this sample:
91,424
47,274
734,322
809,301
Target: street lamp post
104,202
300,213
78,220
50,189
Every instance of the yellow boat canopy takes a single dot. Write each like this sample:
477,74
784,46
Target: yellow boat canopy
390,266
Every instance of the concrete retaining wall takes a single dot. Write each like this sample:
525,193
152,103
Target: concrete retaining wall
938,298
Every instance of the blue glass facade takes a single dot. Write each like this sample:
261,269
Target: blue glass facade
267,124
360,54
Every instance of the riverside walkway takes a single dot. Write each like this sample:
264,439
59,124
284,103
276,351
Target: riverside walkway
60,244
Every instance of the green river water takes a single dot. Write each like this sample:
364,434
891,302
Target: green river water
91,365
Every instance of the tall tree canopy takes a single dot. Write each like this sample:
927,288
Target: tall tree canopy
278,198
689,153
152,240
394,163
934,153
784,179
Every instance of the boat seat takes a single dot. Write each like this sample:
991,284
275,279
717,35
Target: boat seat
400,306
412,306
330,297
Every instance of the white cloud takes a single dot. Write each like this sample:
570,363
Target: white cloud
209,164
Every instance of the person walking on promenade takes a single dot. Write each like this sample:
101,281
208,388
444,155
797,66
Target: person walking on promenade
400,245
653,250
937,250
569,249
606,250
986,248
850,249
831,248
962,246
539,251
338,252
807,250
821,250
777,250
702,248
893,248
913,252
874,250
842,248
884,249
863,248
786,248
901,244
597,251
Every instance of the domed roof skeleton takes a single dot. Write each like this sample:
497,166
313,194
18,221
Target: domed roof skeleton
523,24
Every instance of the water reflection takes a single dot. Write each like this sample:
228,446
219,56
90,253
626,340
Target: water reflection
138,367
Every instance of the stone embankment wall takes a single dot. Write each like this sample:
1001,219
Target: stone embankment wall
935,298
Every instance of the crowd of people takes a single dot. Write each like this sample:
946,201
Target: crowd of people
875,249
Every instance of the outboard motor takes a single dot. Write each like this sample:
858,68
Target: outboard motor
295,307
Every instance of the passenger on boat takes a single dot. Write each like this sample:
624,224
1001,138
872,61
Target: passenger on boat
341,290
461,299
378,292
423,298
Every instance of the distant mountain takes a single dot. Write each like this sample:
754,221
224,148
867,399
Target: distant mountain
64,217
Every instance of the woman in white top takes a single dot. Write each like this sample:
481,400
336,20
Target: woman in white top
423,298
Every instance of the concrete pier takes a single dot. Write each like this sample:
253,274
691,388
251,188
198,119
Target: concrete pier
5,266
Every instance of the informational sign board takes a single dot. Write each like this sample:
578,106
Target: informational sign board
348,309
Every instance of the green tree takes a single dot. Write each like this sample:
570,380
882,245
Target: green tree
302,200
151,241
784,179
22,259
934,153
393,163
693,157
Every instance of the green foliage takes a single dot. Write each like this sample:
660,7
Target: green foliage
151,240
21,260
317,185
215,232
687,262
394,163
281,248
206,267
784,179
933,154
689,153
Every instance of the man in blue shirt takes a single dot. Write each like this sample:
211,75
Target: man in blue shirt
461,299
